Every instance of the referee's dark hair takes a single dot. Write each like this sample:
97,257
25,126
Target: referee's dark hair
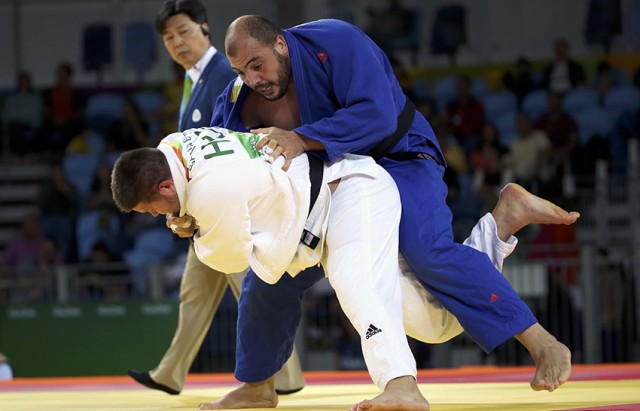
192,8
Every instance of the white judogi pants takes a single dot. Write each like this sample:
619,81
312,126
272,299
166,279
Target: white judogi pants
361,264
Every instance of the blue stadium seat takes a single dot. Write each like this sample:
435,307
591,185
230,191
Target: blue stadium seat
449,30
445,89
580,99
149,101
479,87
139,47
103,109
152,246
80,169
506,124
535,104
594,121
96,47
94,226
411,41
622,98
499,102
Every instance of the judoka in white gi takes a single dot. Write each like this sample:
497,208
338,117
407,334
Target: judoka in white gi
249,212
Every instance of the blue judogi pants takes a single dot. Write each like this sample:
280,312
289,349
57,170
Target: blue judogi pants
463,279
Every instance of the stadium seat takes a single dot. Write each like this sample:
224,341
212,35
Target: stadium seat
94,226
506,124
479,87
622,98
80,169
96,47
445,89
535,104
103,109
499,102
149,101
449,30
411,41
580,99
152,246
594,121
139,47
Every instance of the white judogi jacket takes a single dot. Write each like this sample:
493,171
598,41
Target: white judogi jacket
249,212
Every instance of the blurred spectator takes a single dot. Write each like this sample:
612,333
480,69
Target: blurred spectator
100,278
562,131
404,78
519,80
58,203
487,163
22,115
528,154
63,110
603,80
466,114
100,196
388,24
132,131
453,152
455,156
6,371
427,107
563,73
30,257
24,249
86,141
172,91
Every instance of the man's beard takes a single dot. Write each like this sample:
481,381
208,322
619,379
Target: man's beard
284,75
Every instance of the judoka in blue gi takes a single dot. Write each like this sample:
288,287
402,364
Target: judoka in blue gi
324,87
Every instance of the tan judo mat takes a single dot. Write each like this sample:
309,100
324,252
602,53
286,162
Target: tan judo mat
604,387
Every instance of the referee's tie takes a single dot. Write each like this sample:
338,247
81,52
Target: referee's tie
186,93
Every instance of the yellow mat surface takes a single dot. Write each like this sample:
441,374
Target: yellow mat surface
600,387
603,395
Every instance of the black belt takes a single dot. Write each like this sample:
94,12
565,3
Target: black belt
405,119
410,155
316,170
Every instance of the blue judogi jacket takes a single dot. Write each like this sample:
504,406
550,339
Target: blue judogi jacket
212,82
344,105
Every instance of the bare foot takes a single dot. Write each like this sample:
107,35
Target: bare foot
518,208
553,368
552,358
400,394
249,395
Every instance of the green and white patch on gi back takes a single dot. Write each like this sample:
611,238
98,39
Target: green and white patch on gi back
213,142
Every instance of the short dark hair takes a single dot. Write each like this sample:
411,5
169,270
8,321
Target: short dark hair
256,27
136,176
192,8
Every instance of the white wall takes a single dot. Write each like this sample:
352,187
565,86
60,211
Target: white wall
49,31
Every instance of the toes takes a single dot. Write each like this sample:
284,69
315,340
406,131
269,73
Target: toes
363,405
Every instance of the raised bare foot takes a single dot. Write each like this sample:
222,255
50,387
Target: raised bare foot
553,367
518,208
552,358
400,394
248,395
